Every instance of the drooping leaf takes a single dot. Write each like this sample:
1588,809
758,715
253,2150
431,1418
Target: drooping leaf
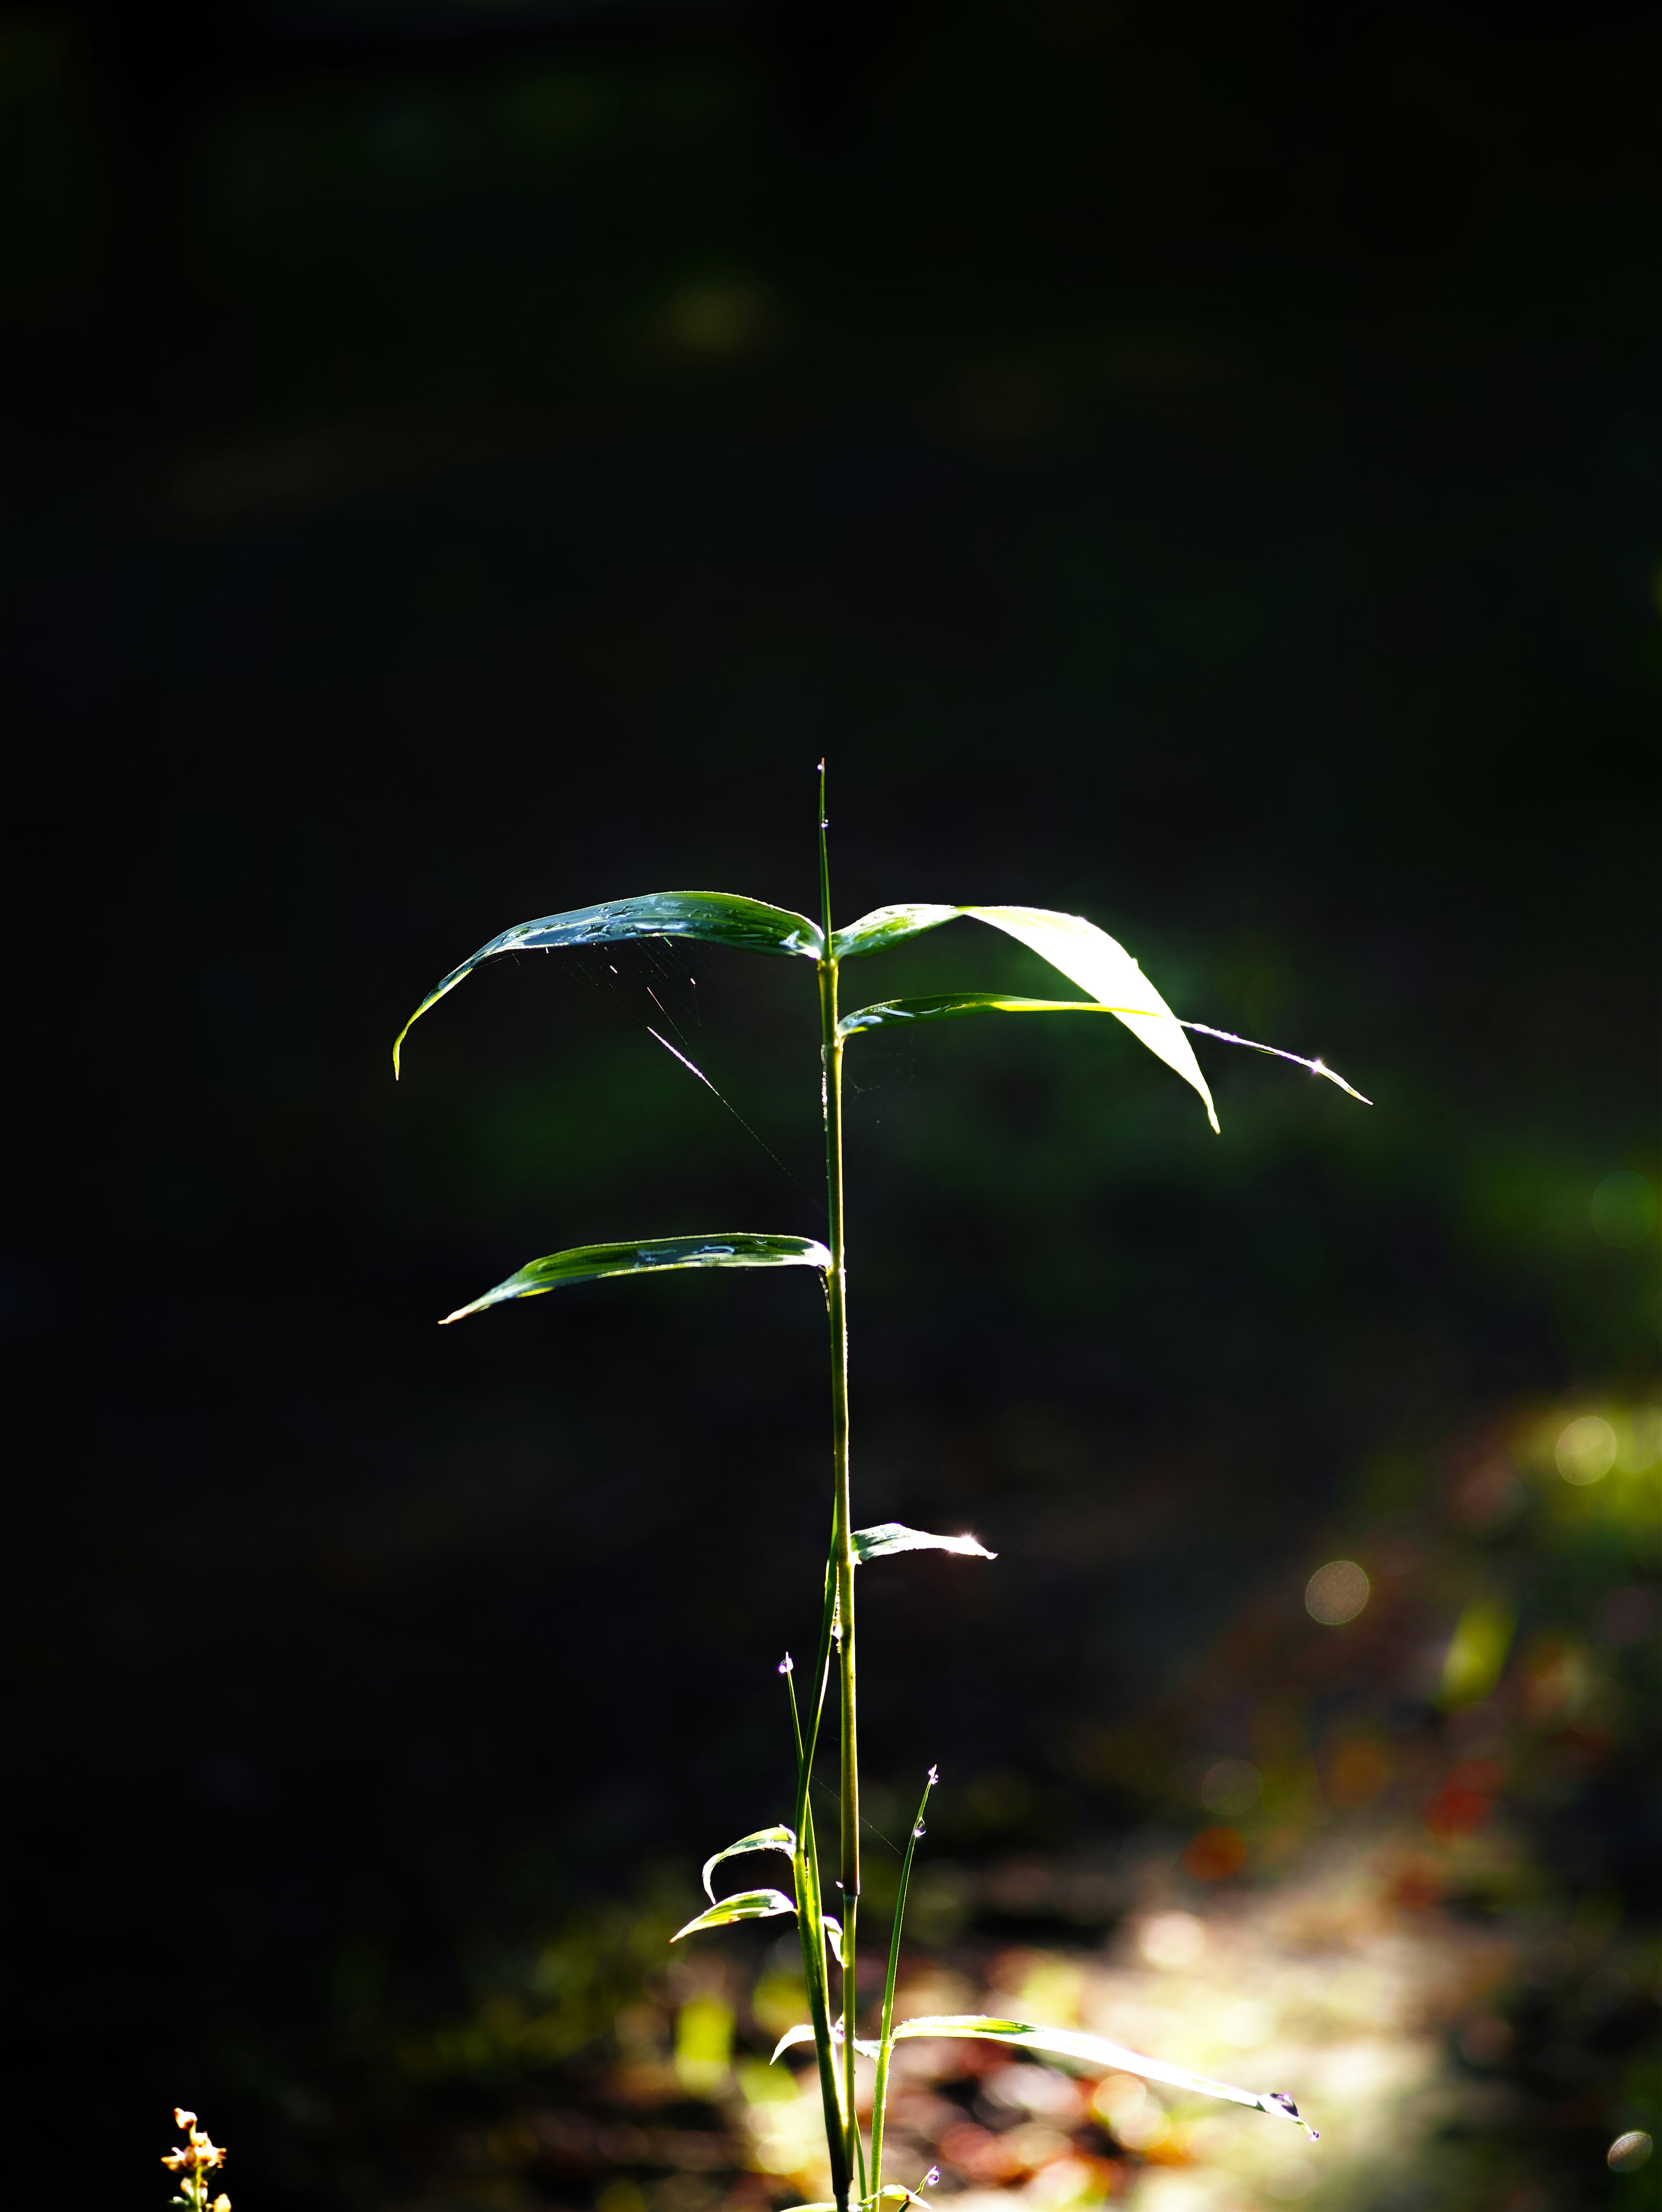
762,1839
803,2033
895,1536
833,1929
588,1263
1102,967
888,1013
712,917
1316,1067
1086,954
747,1905
1097,2050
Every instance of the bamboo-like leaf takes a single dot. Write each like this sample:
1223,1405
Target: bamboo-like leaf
885,925
1097,2050
1086,954
803,2033
588,1263
762,1839
747,1905
833,1929
889,1013
895,1536
712,917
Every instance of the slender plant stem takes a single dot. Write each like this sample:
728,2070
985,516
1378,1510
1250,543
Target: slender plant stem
885,2032
842,1547
809,1909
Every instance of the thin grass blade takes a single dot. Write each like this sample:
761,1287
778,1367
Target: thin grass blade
885,2031
588,1263
711,917
1097,2050
762,1839
895,1536
747,1905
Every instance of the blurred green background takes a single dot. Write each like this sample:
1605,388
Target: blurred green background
1196,466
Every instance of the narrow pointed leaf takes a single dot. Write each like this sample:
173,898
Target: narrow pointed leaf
762,1839
895,1536
803,2033
833,1929
1086,954
1097,2050
889,1013
712,917
747,1905
885,925
1316,1067
588,1263
1101,965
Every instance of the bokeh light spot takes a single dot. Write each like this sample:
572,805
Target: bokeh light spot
1290,2183
1628,2152
1585,1450
1232,1786
1336,1593
1245,2026
1624,1208
1216,1854
1171,1939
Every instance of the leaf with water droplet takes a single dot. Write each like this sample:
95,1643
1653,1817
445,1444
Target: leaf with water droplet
588,1263
894,1536
712,917
747,1905
760,1839
889,1013
1097,2050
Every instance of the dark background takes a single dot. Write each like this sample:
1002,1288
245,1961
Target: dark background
1194,465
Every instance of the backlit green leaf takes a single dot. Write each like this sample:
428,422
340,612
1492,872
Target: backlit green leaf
1086,954
588,1263
1097,2050
747,1905
803,2033
885,925
895,1536
890,1012
833,1929
762,1839
712,917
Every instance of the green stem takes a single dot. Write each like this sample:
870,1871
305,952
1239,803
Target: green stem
885,2034
841,1549
809,1909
